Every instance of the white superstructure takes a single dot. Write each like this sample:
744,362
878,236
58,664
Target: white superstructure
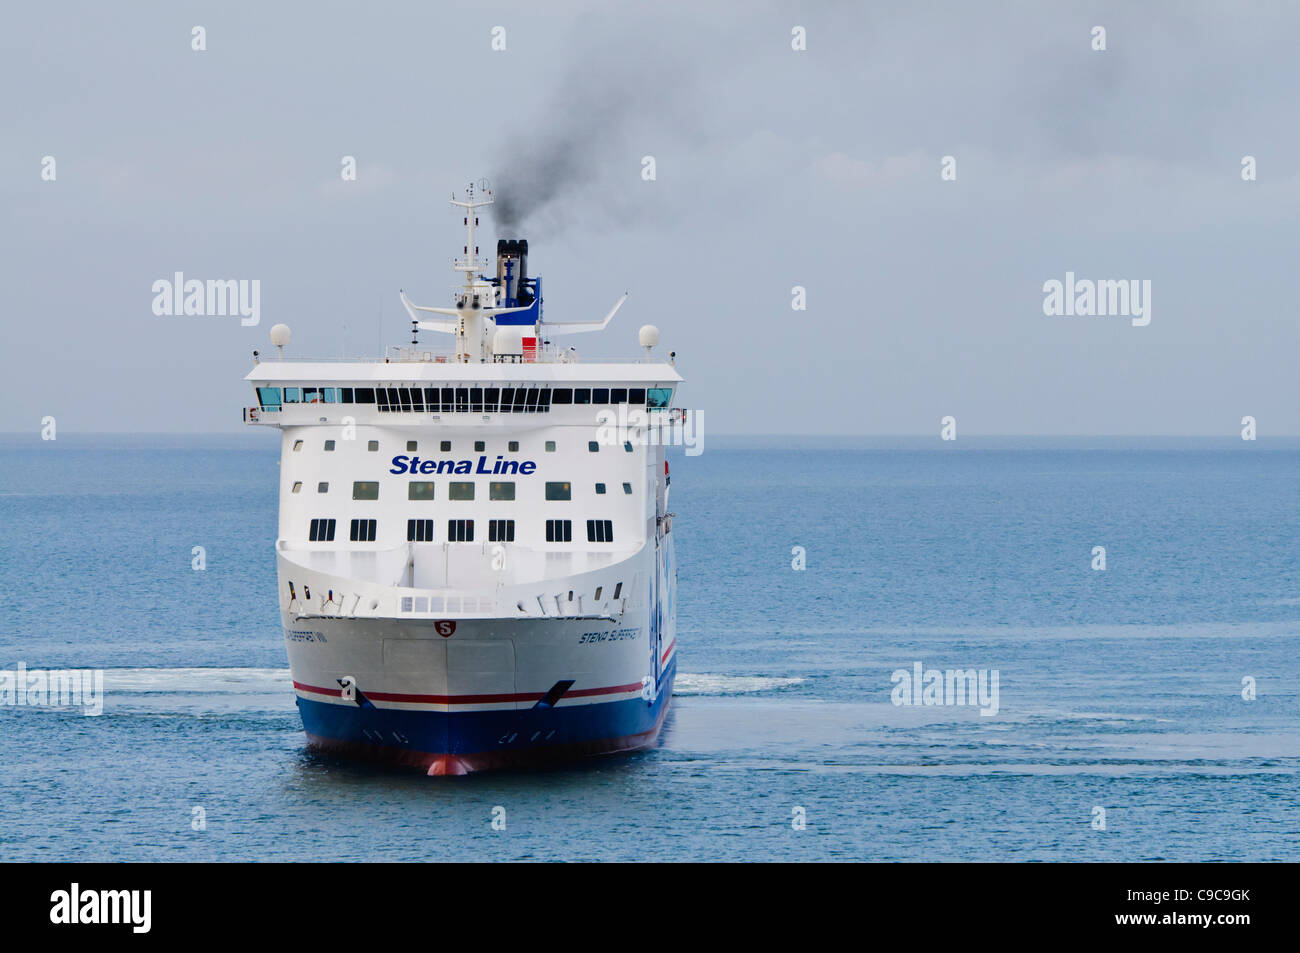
474,547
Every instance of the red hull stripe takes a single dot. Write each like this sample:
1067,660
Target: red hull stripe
468,699
668,651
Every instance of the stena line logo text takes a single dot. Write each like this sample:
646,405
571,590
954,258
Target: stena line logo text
404,464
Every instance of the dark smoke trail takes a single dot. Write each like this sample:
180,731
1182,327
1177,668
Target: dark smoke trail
577,146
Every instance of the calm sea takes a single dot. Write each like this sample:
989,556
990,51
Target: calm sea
1120,692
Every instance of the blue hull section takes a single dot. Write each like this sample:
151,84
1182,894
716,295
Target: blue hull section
486,739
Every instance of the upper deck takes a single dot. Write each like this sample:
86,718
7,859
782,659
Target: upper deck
423,392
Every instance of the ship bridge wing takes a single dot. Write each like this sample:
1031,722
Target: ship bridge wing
577,327
452,324
447,326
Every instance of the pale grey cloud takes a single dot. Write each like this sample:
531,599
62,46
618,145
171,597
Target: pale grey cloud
775,169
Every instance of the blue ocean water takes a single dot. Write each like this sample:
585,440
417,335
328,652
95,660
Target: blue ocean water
1118,689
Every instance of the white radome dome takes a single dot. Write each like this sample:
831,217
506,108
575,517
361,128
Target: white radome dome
648,335
280,335
508,340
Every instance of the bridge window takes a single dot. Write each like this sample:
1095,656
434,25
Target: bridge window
381,399
559,491
345,395
491,397
448,400
659,397
501,491
417,400
636,395
476,400
618,395
544,400
501,531
365,395
562,395
460,491
293,395
365,490
531,402
460,531
600,531
363,531
419,531
462,400
559,531
311,395
420,490
269,398
329,395
521,395
600,395
582,395
322,531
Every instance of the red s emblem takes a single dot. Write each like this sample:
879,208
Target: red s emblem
445,627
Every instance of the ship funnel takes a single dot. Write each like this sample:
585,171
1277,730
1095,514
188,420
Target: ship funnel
512,272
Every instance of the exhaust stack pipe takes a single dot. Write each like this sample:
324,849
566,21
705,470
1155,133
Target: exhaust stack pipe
512,272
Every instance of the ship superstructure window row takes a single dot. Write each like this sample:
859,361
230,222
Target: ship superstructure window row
463,400
459,531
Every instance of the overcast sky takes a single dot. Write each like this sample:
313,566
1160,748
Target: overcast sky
774,168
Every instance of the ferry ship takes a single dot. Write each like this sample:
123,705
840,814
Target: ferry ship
474,551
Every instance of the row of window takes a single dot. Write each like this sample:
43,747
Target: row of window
363,530
472,400
461,531
471,603
479,446
457,490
